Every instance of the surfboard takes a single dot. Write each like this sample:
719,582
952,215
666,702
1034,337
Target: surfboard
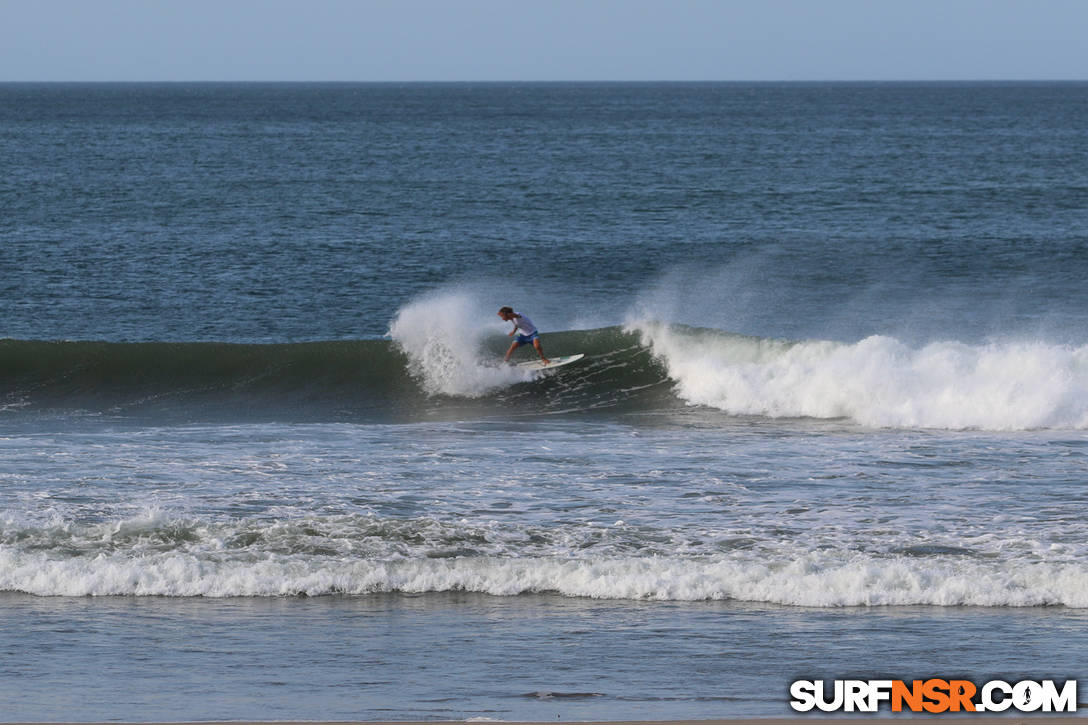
553,362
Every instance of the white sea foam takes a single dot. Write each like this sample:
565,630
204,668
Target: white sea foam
153,554
442,334
879,381
825,579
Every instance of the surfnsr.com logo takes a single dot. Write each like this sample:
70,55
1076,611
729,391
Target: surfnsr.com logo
934,696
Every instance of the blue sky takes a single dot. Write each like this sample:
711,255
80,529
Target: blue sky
443,40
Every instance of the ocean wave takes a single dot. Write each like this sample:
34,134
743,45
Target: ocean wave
160,555
812,580
879,381
429,369
442,361
125,378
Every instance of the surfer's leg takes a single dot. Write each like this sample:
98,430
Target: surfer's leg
540,350
513,346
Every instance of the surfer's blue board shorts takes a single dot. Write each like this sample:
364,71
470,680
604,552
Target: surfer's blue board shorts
526,339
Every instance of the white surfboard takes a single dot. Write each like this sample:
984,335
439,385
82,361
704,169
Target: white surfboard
553,362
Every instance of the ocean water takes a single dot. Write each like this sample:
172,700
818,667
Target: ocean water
259,458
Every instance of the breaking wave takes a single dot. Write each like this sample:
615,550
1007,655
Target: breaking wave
160,556
441,360
878,381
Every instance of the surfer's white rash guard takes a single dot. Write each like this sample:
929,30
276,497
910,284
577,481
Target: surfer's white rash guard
524,325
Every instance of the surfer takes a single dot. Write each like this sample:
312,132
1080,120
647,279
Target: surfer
526,333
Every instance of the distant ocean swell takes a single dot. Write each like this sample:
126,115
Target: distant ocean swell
159,556
878,381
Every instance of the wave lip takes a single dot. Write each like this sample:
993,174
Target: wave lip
879,381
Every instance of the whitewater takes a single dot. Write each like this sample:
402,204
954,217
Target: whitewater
423,465
879,381
321,557
441,355
260,459
640,474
